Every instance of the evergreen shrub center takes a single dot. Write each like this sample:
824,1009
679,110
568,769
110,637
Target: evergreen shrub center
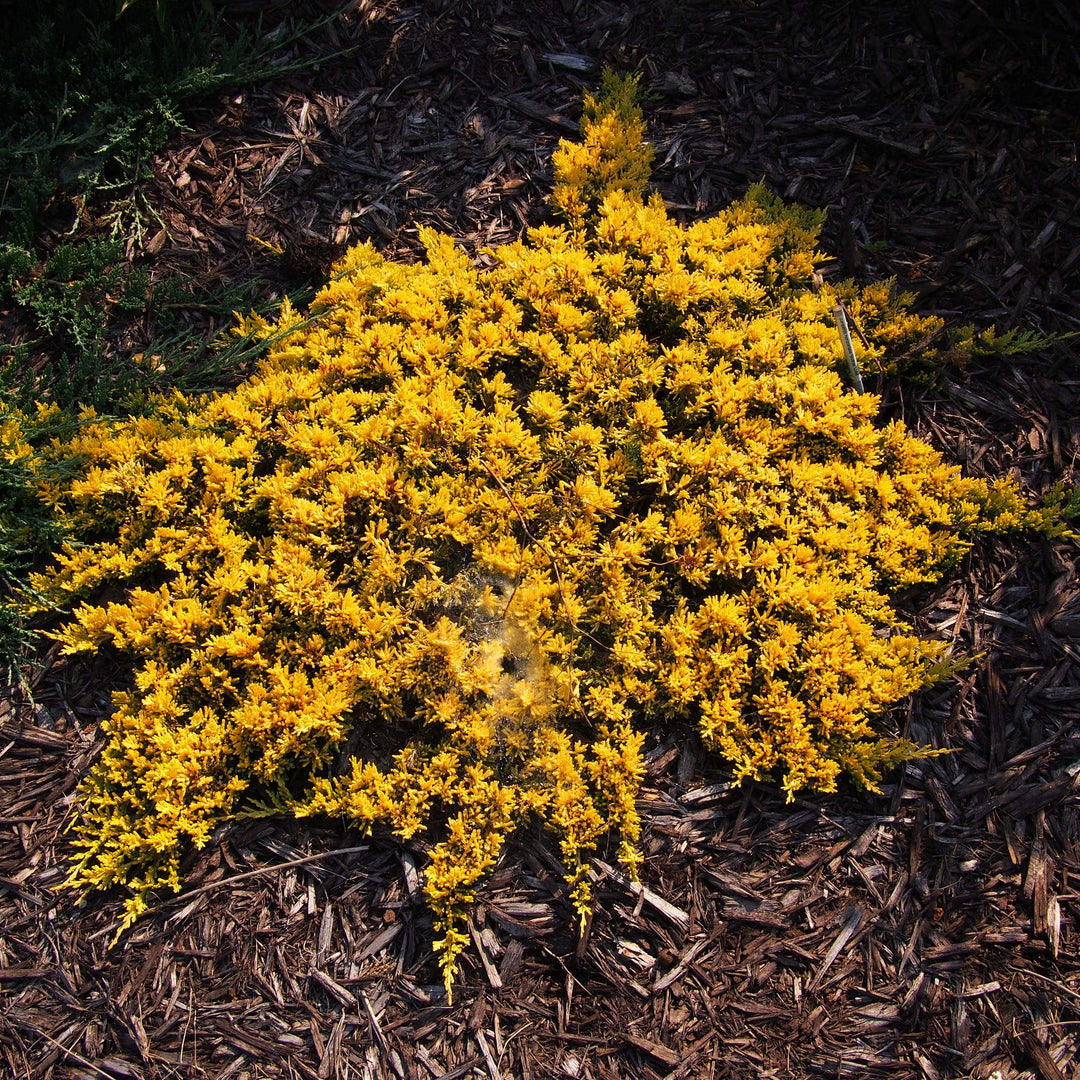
503,521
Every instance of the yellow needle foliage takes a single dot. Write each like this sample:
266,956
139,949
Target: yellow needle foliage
489,525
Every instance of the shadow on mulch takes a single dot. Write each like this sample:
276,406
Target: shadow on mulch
929,931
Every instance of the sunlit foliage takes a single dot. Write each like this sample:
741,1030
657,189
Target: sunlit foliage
491,525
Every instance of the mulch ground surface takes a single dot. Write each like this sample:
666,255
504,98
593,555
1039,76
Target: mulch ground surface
930,931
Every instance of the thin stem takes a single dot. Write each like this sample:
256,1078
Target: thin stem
547,551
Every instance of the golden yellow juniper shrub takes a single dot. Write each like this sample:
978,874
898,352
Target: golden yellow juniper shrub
507,519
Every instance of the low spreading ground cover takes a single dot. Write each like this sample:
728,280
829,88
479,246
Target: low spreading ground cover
489,525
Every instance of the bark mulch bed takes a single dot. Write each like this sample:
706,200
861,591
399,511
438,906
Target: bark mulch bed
929,931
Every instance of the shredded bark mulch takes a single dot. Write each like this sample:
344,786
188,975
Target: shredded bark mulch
930,931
